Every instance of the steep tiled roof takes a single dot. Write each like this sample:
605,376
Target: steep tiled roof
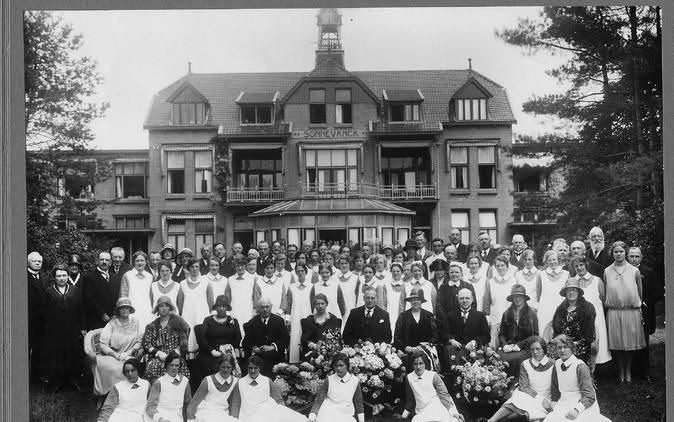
402,95
437,86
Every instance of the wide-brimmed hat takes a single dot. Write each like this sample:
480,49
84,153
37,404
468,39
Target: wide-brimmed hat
162,300
124,302
571,282
169,247
186,251
439,265
75,259
517,289
411,244
416,294
222,300
386,246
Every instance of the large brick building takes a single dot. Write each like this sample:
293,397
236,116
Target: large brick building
331,154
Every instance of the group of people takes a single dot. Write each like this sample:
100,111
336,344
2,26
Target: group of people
187,325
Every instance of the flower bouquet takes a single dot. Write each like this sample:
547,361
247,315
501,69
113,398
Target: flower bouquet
297,383
379,368
481,381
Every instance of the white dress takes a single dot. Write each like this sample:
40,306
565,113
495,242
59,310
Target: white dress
139,295
541,383
529,279
498,291
240,290
569,388
132,401
300,308
338,404
349,283
171,398
218,284
550,300
274,290
174,289
215,406
428,407
331,291
195,308
591,294
394,297
479,283
257,405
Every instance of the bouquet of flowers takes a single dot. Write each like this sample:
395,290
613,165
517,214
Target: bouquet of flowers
298,384
480,377
324,350
379,367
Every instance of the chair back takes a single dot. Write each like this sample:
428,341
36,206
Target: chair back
92,345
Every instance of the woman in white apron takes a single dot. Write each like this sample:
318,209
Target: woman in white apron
394,294
241,290
165,286
427,395
170,393
213,398
529,277
136,285
497,290
331,289
128,397
272,287
196,307
552,280
349,284
298,303
340,396
217,283
477,279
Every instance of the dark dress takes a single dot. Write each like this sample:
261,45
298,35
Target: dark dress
577,324
313,332
62,351
409,332
173,337
210,336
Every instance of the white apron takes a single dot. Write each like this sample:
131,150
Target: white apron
132,401
428,407
215,406
195,308
338,405
301,308
257,404
591,294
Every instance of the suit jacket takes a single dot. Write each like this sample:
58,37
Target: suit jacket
604,260
409,332
518,263
258,334
116,277
36,286
203,266
491,255
100,297
447,300
227,267
653,292
461,252
377,330
475,328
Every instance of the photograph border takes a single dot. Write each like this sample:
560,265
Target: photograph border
14,397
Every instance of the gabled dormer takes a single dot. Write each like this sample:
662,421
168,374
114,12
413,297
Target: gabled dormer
190,107
403,106
257,108
470,102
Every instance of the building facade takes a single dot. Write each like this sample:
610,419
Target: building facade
332,154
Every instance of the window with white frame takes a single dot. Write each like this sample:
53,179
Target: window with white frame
343,106
403,236
175,230
203,171
131,222
404,112
471,109
487,222
459,167
461,221
317,113
294,237
331,169
189,113
486,167
131,180
175,171
256,115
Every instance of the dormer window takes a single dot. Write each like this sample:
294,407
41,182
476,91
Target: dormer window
471,109
257,108
404,105
189,113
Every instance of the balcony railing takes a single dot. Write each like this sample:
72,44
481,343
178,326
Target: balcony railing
255,194
369,190
419,191
534,216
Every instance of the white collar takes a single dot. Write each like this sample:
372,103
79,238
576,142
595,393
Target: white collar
222,380
346,274
587,276
345,378
570,361
536,363
32,271
212,277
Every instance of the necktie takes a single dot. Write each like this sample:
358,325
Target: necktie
253,383
464,315
133,387
565,367
264,321
368,314
175,381
484,253
106,276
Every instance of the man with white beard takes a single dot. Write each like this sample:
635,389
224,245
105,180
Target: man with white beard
597,252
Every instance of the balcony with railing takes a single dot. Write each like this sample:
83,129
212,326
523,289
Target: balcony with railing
255,194
369,190
534,216
419,192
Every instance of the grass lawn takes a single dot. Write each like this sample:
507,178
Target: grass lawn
638,402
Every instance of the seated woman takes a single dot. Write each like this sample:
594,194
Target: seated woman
216,394
170,394
340,396
168,333
217,333
427,395
532,399
572,387
575,318
120,340
128,397
261,399
317,325
518,323
415,326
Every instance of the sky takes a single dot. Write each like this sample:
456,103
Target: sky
141,52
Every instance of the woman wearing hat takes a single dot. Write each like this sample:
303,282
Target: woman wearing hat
120,340
216,334
414,326
419,281
575,318
168,252
166,334
518,323
180,270
75,271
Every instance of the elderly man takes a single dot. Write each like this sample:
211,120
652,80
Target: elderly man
266,335
597,252
37,283
153,259
307,246
455,240
422,252
518,247
461,328
578,249
368,322
101,292
206,253
487,253
653,291
118,268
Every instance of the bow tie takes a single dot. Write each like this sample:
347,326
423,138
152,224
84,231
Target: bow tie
239,278
175,381
134,386
253,383
419,378
565,367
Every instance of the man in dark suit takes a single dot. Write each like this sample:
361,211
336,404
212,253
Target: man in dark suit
265,254
100,294
486,251
266,335
227,267
518,247
422,253
652,293
597,251
206,253
448,293
578,249
37,283
462,327
461,249
118,268
368,322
